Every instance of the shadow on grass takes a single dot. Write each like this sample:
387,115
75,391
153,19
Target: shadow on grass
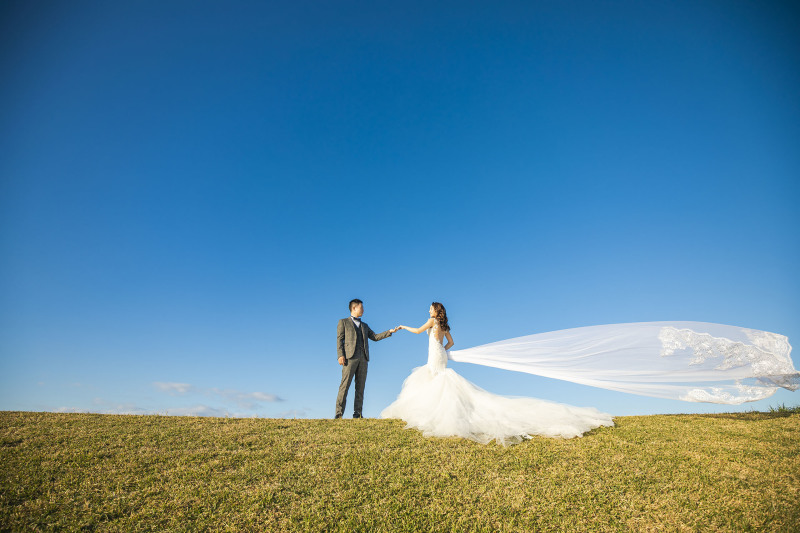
598,430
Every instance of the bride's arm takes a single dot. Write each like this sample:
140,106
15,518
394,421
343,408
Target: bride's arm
450,342
423,327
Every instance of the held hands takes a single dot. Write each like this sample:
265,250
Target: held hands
398,327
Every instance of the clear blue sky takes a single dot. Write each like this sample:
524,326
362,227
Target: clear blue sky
193,191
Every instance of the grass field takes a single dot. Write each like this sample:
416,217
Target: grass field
725,472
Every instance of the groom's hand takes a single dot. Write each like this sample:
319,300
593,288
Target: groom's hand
341,361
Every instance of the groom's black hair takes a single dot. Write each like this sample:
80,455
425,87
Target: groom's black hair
354,303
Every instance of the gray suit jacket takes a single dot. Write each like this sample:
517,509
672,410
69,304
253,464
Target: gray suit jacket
346,338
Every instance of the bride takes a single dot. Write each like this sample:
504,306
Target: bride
439,402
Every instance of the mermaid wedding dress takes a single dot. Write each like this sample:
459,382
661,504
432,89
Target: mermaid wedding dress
439,402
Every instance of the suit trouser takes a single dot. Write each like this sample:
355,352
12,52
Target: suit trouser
357,366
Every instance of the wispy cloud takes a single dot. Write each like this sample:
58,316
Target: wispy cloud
199,410
244,400
175,388
235,403
130,409
292,413
104,407
126,409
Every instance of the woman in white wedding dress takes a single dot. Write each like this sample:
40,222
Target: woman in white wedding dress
439,402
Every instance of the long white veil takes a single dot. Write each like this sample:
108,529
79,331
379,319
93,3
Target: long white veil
691,361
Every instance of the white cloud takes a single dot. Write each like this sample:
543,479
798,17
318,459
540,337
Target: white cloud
127,409
292,413
198,410
244,400
264,397
174,388
103,407
130,409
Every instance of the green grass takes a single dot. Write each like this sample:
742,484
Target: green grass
727,472
783,409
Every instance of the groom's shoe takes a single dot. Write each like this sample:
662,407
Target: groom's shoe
357,416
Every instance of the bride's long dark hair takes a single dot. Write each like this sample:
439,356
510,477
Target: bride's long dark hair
441,316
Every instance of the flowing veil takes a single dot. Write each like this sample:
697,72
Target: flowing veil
690,361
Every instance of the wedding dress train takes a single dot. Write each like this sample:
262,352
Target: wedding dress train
689,361
439,402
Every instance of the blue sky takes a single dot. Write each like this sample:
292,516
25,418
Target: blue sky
193,191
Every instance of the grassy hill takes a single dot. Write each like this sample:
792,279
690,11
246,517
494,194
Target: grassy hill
726,472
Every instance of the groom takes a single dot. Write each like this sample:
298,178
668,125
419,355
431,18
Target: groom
353,352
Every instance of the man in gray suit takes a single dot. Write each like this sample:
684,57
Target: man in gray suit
352,350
